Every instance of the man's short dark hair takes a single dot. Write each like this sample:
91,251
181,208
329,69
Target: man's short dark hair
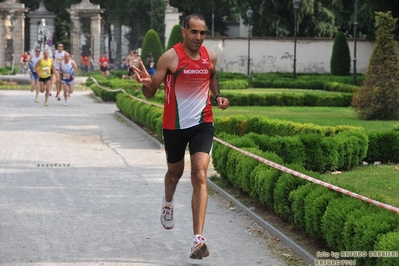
186,22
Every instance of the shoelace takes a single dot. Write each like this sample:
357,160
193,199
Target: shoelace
168,213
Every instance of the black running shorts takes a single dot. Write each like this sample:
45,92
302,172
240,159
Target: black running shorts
44,79
199,139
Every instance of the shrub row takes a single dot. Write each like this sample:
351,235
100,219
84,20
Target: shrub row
311,151
289,99
325,151
148,116
236,84
241,125
383,147
340,222
306,81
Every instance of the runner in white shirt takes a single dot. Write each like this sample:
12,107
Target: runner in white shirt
34,77
68,68
58,57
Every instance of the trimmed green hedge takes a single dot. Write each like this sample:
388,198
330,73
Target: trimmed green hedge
324,82
289,99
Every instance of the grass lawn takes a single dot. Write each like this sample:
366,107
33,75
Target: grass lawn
379,182
323,116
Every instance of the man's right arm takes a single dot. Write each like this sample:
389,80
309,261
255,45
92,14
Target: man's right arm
167,62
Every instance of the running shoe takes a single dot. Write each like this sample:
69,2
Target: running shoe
50,94
36,101
167,215
45,104
65,104
199,249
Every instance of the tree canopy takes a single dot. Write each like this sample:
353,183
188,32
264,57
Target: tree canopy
323,18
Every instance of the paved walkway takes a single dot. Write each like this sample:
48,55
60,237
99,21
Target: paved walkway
79,186
25,79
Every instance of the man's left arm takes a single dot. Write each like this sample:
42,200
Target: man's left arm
221,101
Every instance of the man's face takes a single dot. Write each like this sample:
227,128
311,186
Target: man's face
60,47
45,54
194,36
37,52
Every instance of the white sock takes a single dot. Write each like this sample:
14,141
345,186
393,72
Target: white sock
167,203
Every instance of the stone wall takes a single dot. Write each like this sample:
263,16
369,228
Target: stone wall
276,55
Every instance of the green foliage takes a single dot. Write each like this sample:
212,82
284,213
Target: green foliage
348,231
245,165
388,242
285,184
7,70
175,37
378,98
264,178
151,44
340,59
297,197
384,147
368,230
314,81
233,84
158,20
282,99
316,203
334,219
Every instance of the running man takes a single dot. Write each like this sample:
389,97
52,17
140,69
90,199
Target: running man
25,61
43,67
189,74
58,57
34,78
104,64
68,68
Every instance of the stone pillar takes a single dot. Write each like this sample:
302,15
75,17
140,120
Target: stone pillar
118,39
172,16
12,28
75,37
86,9
95,26
19,35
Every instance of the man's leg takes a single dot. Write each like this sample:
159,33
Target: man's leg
199,167
58,83
172,177
48,87
35,85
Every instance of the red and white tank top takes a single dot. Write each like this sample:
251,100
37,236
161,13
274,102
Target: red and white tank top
187,97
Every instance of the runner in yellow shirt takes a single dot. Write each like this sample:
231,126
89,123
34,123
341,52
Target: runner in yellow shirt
44,67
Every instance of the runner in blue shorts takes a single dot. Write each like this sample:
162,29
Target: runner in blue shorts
34,77
68,67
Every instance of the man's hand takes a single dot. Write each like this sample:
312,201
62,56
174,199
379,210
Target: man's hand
222,102
142,75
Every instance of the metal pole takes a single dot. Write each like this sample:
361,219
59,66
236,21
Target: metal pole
295,22
355,40
213,22
249,42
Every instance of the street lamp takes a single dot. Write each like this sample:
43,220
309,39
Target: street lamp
354,48
249,16
297,4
